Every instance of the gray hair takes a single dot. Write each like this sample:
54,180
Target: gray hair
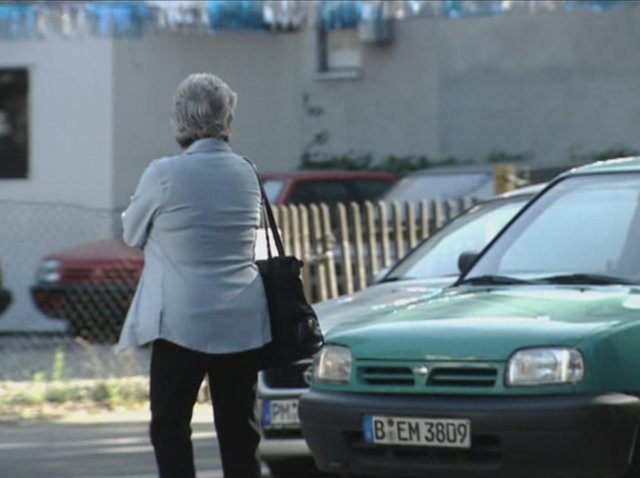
202,108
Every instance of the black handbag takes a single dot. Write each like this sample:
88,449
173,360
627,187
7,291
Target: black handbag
295,331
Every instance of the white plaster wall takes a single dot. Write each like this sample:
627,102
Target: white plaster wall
70,120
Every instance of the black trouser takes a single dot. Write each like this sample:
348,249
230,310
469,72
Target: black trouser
176,376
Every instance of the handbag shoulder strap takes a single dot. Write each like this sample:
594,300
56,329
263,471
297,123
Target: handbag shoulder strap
270,221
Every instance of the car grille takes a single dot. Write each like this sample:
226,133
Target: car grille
425,377
291,376
387,376
462,377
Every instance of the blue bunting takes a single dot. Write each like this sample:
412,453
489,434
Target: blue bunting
17,20
24,20
235,14
341,14
118,18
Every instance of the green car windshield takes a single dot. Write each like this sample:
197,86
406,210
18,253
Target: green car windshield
584,230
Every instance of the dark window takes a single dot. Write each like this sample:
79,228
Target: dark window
329,192
337,49
14,133
371,190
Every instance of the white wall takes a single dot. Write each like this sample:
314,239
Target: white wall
70,120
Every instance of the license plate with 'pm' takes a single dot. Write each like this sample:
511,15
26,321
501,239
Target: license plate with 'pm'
435,432
280,413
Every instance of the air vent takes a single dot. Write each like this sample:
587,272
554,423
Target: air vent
462,377
399,376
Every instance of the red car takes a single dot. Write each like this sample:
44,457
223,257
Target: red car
91,286
330,187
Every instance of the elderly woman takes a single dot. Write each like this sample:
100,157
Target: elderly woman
200,299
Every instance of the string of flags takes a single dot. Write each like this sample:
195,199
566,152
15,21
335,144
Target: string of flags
74,18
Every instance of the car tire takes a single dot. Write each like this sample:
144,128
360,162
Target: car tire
294,468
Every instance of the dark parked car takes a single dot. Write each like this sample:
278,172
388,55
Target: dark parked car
92,285
428,268
526,367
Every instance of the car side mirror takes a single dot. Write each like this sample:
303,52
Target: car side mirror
466,260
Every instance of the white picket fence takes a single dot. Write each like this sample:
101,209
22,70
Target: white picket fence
344,247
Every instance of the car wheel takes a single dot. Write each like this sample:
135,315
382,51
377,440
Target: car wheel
294,468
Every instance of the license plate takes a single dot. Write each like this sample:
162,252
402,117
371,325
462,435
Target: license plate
280,413
440,432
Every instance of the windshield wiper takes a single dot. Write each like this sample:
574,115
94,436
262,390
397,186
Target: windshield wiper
585,279
493,280
396,278
390,279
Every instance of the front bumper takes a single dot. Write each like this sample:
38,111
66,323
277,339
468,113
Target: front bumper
5,299
534,436
78,303
275,449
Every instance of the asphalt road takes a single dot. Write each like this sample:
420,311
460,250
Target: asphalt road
110,445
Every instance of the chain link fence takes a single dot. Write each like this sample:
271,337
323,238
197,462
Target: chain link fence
48,331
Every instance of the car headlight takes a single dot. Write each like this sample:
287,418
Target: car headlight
332,364
545,366
48,271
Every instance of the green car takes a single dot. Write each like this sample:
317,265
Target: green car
529,365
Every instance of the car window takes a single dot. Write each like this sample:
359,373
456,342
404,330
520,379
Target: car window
371,190
273,188
587,224
443,186
329,192
438,256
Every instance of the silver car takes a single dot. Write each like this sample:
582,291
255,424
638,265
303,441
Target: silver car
430,266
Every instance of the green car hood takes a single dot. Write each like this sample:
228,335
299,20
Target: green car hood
488,324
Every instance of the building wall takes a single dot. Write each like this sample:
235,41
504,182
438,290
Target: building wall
391,107
70,121
541,84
